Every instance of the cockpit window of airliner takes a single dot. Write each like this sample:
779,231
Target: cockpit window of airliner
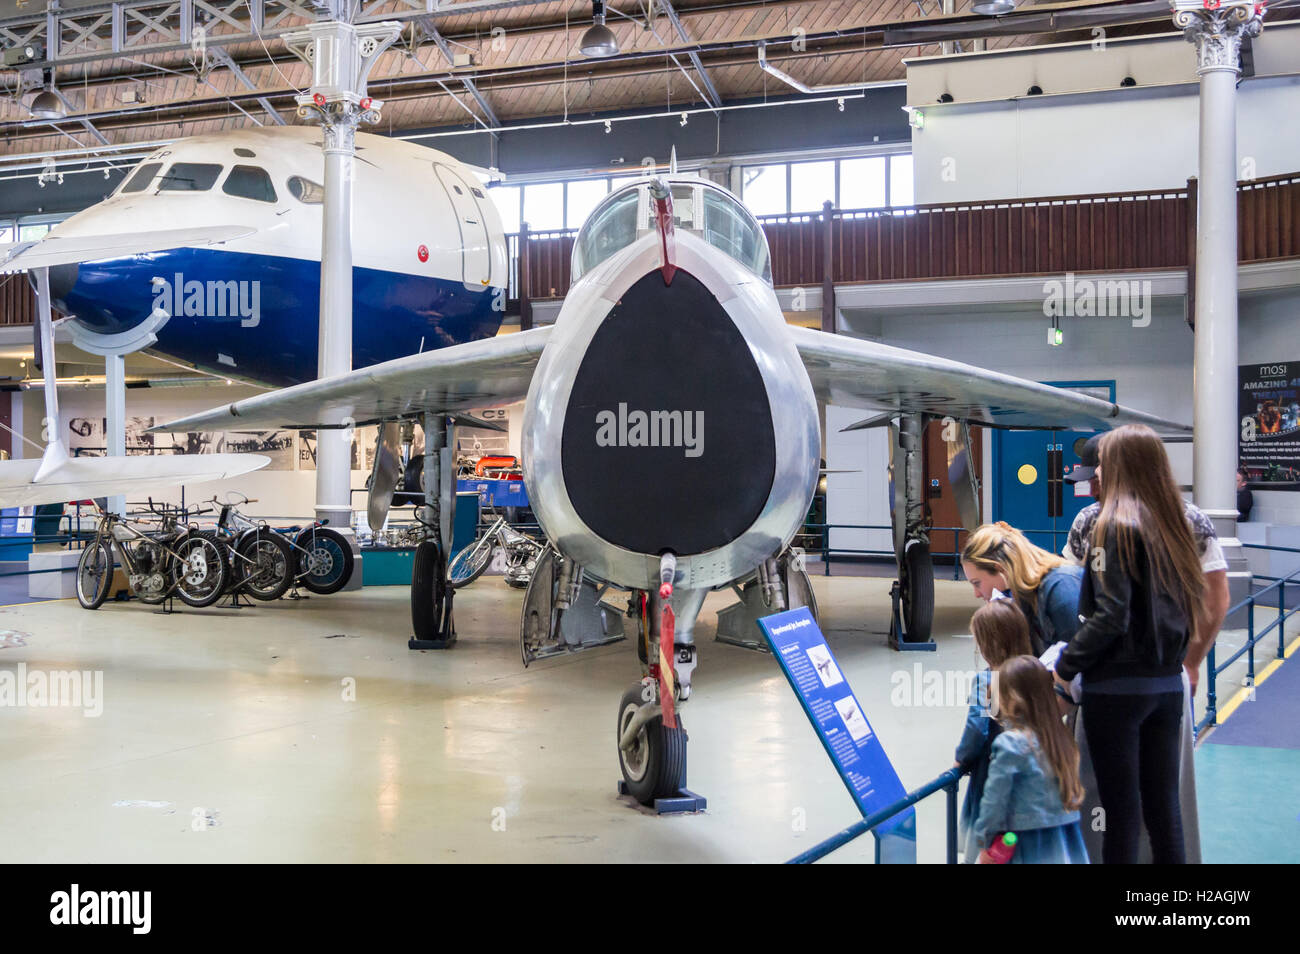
190,177
249,182
609,230
731,229
140,180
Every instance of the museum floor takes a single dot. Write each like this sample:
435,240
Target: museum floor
308,732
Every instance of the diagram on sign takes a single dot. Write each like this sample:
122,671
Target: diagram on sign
853,718
827,671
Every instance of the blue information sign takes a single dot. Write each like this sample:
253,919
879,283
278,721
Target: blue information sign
798,644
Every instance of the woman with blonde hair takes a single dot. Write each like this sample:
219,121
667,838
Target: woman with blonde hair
999,558
1141,598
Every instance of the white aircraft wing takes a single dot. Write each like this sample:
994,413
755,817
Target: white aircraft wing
855,373
478,374
57,249
58,478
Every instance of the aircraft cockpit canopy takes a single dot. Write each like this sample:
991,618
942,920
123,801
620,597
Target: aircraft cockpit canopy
699,207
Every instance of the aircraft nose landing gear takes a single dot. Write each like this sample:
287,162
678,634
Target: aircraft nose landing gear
649,732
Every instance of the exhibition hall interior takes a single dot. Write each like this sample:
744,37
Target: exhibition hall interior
415,415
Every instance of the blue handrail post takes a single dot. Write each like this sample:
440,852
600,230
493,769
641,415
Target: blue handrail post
1250,643
1281,619
952,822
1211,700
826,551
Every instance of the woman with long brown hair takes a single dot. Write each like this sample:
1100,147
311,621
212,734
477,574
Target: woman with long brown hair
1141,597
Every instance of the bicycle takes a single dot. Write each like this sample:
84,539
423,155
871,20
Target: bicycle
173,560
521,552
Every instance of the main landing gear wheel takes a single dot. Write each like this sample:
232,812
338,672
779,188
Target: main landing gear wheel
428,591
918,592
656,761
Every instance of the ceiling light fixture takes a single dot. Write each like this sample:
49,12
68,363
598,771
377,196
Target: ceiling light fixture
599,40
993,8
47,105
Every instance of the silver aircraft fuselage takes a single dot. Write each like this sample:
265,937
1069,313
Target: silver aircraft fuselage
670,411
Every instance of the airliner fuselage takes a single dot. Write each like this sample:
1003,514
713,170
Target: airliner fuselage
429,256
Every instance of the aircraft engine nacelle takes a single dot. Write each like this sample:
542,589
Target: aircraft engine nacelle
670,417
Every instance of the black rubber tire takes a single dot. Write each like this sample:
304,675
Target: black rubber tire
217,557
259,539
657,772
468,565
918,593
339,549
428,590
102,552
234,567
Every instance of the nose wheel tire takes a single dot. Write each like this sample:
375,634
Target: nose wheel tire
428,591
655,763
94,575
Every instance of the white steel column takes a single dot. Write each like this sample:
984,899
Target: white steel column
334,351
341,56
115,416
1217,34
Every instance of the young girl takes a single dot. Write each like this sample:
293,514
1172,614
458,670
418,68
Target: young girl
1033,784
1001,632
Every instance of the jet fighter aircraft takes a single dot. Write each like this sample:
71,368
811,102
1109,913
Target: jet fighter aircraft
670,437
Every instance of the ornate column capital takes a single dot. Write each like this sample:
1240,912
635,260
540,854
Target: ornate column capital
1217,28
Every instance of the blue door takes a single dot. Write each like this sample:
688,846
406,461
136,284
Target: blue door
1029,491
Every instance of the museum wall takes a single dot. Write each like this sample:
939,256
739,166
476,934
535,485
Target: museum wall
1116,141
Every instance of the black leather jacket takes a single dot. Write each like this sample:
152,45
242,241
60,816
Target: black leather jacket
1131,628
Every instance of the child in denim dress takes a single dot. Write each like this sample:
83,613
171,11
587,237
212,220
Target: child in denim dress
1000,631
1033,784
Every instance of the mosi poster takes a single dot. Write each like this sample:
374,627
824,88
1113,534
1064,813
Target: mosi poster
1269,408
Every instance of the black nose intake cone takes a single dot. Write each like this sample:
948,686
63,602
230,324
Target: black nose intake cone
668,440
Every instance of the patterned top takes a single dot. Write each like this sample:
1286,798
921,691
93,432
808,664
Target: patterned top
1207,541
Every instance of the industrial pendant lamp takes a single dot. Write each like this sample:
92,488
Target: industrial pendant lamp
46,105
993,8
599,40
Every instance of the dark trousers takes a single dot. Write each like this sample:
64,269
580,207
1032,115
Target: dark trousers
1134,743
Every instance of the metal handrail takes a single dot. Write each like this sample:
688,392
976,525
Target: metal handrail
947,781
1215,669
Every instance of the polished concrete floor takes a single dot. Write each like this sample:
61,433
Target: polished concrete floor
308,732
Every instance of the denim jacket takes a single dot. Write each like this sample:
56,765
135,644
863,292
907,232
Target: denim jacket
978,721
1020,793
1055,617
